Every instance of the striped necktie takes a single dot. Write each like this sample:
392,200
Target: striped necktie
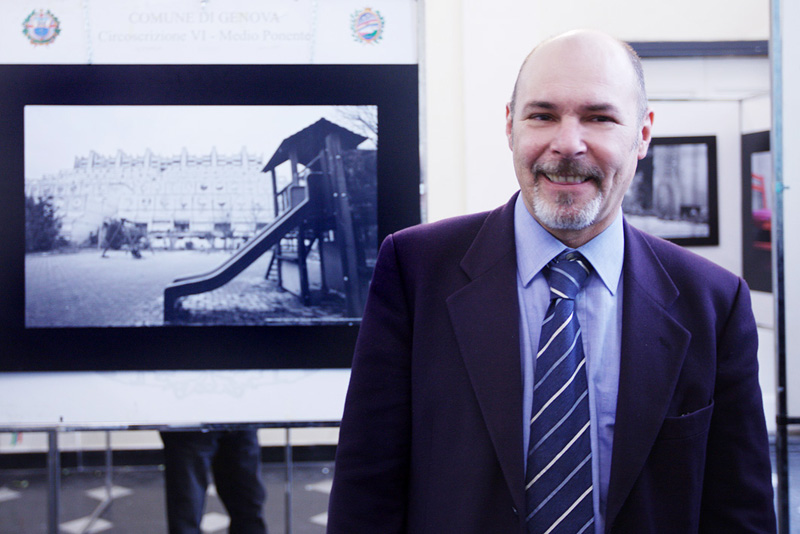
558,478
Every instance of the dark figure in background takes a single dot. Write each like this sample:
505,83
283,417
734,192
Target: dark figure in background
234,458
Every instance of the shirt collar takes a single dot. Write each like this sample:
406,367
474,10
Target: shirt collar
536,247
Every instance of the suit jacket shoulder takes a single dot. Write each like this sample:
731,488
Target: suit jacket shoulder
690,273
676,257
472,244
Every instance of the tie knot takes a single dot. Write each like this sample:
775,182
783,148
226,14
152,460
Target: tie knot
566,274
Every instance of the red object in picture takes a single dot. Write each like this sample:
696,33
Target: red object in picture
762,215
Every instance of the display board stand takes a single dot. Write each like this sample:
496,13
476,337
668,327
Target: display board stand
54,459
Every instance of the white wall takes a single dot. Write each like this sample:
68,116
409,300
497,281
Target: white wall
659,20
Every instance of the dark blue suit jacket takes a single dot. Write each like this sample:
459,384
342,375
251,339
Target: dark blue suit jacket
431,439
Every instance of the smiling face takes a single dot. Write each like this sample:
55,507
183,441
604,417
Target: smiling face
576,133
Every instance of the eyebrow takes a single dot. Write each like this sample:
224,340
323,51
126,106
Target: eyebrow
539,104
544,104
605,107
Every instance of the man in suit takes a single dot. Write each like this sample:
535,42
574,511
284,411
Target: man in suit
438,434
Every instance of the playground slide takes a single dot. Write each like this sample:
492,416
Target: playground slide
265,239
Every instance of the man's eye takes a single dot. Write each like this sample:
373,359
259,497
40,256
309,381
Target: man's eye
602,118
541,117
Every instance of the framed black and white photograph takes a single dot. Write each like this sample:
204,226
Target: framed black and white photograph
195,216
231,215
674,192
757,187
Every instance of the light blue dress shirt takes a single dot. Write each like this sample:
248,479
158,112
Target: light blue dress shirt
599,308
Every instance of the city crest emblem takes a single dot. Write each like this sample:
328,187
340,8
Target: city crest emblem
367,25
41,27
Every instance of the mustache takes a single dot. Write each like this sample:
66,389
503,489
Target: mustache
569,167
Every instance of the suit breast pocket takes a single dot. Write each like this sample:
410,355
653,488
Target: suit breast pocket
687,425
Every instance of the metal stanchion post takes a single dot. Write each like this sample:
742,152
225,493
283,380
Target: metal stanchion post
108,499
54,481
289,480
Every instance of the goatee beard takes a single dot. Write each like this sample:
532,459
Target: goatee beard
562,214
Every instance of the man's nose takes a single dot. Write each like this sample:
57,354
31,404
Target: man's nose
568,140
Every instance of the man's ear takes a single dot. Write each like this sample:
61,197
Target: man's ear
509,125
647,133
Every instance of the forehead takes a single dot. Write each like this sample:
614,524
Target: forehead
578,72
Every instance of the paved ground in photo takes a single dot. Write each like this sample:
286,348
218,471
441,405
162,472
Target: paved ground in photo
84,289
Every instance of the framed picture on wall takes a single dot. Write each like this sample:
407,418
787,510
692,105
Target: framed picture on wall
757,211
674,192
165,217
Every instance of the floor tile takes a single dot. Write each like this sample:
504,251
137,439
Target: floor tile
77,526
320,519
101,493
8,494
214,522
322,487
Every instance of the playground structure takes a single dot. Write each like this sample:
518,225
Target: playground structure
124,235
326,219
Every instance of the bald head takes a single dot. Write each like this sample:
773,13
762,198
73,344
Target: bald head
589,45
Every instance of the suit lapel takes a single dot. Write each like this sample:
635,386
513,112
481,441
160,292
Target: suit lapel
654,345
485,318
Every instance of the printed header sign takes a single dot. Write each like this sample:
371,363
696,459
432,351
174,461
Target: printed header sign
208,32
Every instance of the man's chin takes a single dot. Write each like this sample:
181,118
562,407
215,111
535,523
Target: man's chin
567,223
565,217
